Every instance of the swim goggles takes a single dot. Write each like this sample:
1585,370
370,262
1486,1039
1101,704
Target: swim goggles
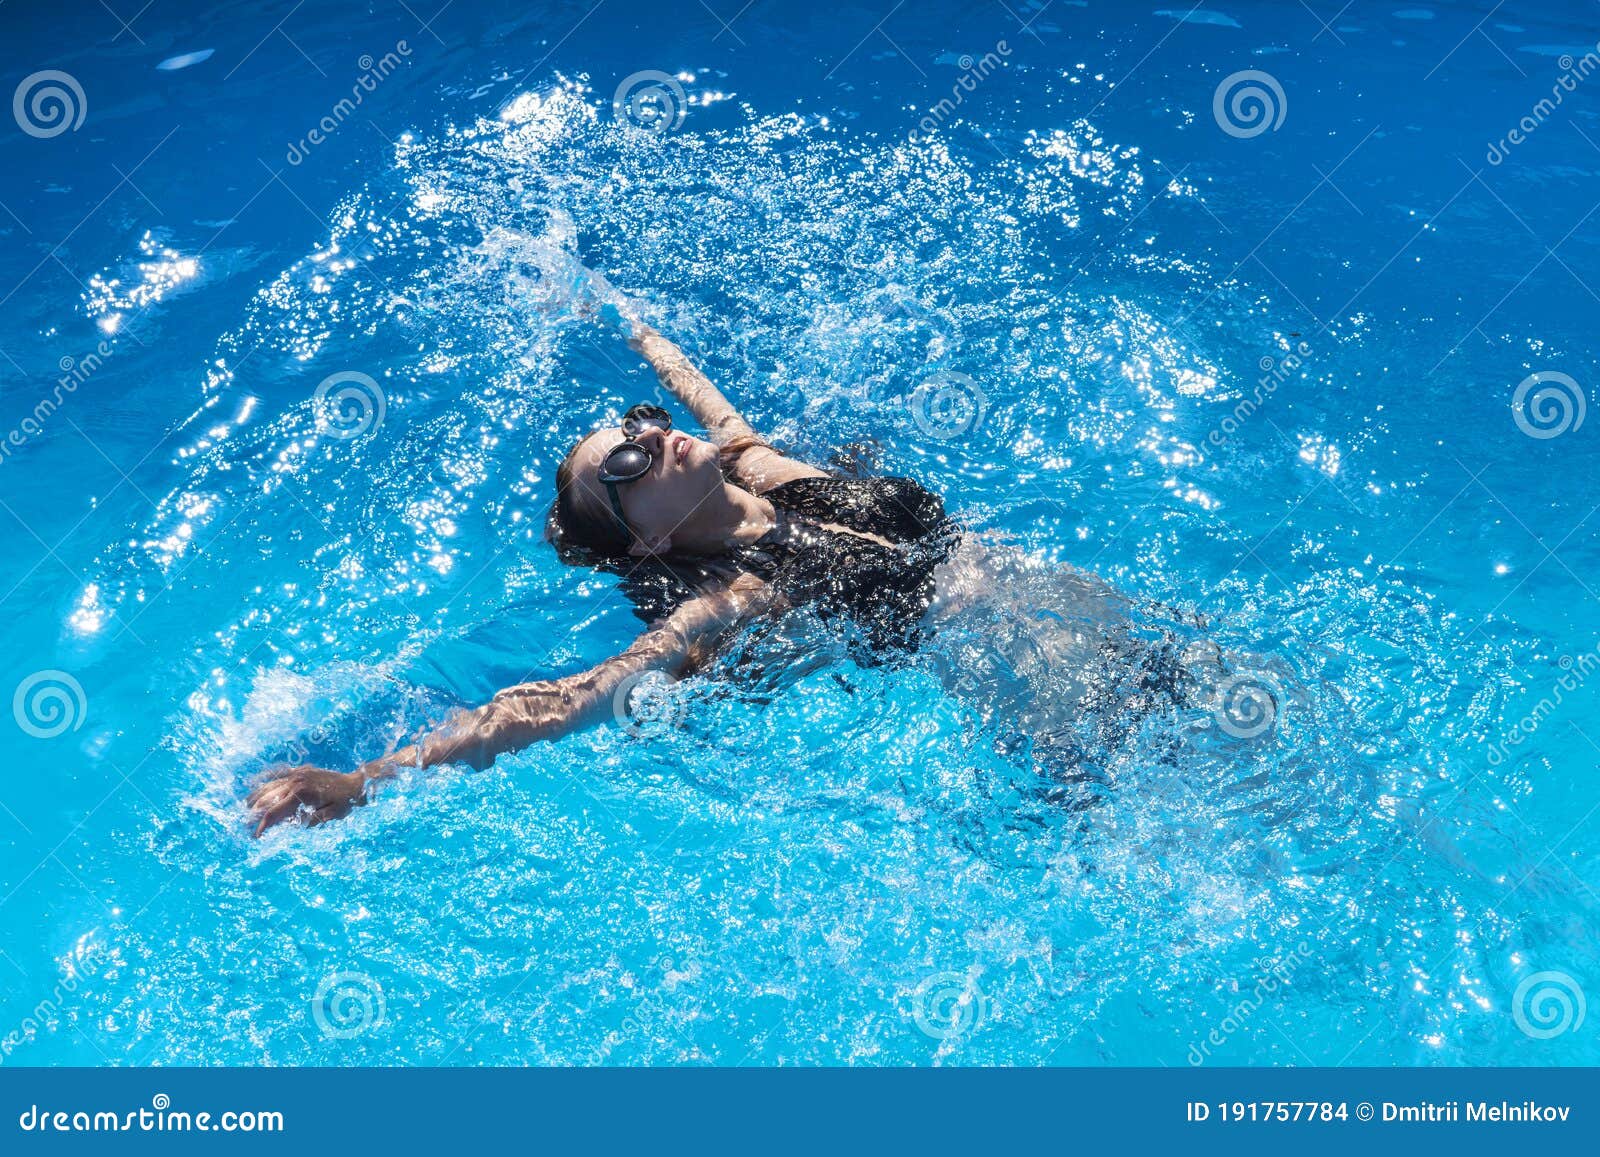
628,461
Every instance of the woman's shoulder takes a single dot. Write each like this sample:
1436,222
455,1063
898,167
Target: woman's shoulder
759,468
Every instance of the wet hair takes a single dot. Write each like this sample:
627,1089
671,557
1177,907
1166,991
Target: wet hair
586,536
578,536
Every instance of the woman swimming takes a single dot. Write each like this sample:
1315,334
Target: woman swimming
707,535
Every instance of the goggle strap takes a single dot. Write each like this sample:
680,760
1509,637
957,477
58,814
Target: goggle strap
616,508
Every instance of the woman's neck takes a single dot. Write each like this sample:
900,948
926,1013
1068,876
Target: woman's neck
726,519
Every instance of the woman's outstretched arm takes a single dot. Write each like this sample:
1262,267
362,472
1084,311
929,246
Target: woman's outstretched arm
517,716
758,466
677,373
708,404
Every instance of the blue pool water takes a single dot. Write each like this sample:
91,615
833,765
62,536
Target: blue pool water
1258,371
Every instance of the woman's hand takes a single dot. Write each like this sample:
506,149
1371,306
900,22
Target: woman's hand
325,795
513,719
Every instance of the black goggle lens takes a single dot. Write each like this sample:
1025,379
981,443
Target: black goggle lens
644,416
625,463
628,460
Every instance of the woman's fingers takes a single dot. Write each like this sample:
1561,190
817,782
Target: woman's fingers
281,809
282,779
275,814
313,793
276,800
266,797
263,792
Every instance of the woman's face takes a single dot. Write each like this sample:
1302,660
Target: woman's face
684,472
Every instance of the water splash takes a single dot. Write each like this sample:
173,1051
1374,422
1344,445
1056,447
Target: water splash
812,855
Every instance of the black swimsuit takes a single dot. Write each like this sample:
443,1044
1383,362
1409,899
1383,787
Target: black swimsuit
885,589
